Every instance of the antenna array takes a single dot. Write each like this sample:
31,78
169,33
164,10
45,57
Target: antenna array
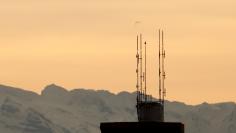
142,74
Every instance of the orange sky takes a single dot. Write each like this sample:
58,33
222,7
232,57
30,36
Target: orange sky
91,44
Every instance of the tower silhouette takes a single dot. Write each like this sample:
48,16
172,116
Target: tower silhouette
150,111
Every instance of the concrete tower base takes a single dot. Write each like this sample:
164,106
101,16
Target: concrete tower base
150,111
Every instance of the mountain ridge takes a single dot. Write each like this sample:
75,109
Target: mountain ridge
58,110
94,90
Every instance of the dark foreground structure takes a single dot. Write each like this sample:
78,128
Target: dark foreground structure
142,127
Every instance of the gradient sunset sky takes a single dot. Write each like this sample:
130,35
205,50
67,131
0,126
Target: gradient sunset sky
92,44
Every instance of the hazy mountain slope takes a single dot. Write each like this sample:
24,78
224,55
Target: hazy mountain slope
81,111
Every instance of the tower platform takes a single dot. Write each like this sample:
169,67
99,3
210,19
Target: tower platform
142,127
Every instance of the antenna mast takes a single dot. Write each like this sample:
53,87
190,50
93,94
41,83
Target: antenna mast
159,59
162,74
163,68
145,73
141,68
137,69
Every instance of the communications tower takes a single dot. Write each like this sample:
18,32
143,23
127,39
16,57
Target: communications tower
149,109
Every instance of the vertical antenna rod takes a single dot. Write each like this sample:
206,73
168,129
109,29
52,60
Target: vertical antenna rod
145,76
141,69
137,70
163,68
159,59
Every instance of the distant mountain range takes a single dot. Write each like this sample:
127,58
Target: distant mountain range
57,110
